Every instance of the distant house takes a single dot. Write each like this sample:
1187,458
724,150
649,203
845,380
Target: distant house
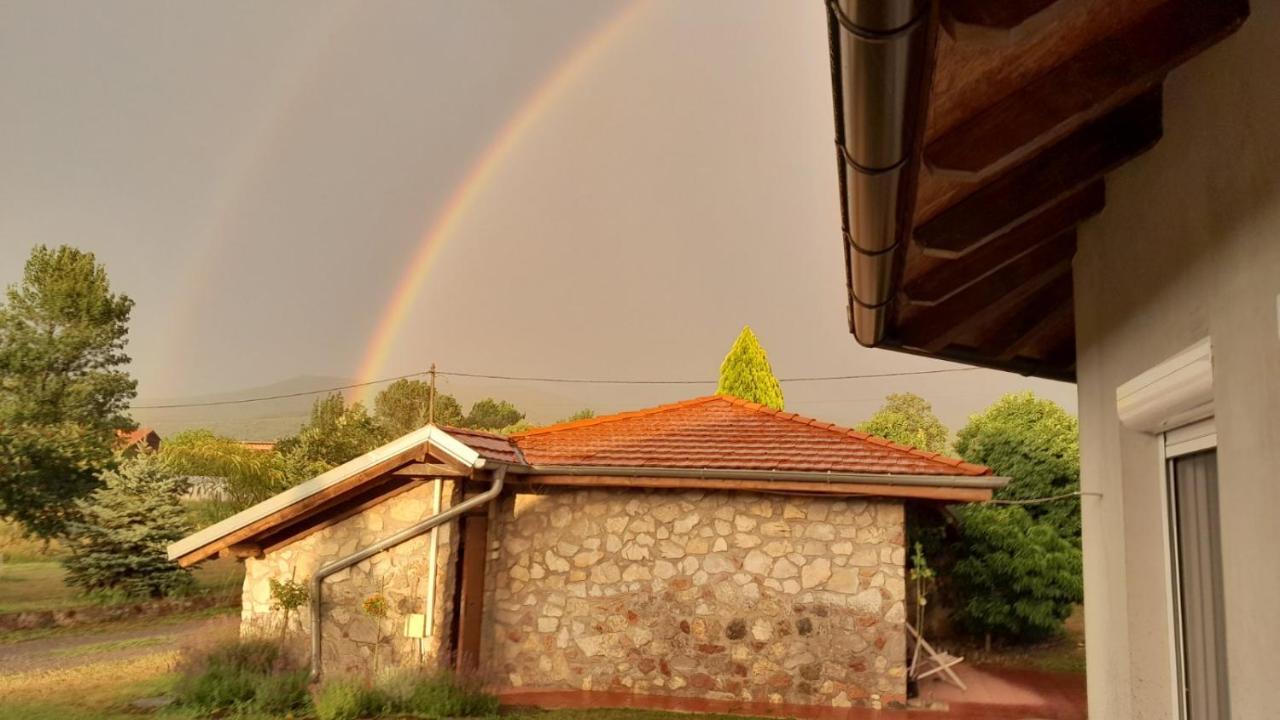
1089,191
128,441
710,549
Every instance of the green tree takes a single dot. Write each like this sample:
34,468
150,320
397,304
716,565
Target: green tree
335,433
746,373
403,406
118,543
583,414
1017,578
63,389
490,414
249,476
1035,443
43,470
908,418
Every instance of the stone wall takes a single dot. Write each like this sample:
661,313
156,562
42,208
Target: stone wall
400,574
734,596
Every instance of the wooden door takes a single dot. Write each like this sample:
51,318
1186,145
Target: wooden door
475,541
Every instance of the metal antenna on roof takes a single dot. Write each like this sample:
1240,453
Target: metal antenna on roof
431,399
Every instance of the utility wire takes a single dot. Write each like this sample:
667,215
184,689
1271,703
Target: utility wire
482,376
1051,498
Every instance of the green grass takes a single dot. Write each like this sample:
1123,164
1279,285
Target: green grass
39,586
109,646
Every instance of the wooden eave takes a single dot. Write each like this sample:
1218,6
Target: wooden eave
343,498
1030,104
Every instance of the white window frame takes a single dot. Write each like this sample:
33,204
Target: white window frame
1178,442
1173,401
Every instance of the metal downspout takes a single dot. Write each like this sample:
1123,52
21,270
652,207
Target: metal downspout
317,580
878,57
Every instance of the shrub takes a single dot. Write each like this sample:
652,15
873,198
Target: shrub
242,675
118,543
282,692
347,699
433,695
1019,579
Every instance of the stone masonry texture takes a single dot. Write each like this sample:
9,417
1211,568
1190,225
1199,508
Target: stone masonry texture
723,595
400,575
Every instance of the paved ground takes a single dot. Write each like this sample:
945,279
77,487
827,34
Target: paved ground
995,693
120,642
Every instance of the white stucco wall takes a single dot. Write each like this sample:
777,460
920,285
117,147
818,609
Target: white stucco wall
1188,247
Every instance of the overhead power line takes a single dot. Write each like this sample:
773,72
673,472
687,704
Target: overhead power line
522,378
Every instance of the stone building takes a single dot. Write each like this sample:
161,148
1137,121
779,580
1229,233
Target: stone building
711,549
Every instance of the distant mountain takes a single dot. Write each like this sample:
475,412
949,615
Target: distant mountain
273,419
262,420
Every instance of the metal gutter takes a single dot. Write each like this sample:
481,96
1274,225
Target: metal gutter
991,482
878,64
317,580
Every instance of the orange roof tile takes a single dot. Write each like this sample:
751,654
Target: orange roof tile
490,446
727,433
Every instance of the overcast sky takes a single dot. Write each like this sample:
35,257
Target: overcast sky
257,176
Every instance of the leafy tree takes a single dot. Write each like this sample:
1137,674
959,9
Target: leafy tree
1035,443
404,407
583,414
1018,578
746,373
43,469
250,476
119,542
335,433
908,418
490,414
63,390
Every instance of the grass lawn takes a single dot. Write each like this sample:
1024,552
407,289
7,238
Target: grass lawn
103,692
39,586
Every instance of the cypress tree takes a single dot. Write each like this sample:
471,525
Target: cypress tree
746,373
118,543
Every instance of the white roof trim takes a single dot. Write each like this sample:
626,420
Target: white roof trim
429,434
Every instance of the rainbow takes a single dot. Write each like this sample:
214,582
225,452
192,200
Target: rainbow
473,184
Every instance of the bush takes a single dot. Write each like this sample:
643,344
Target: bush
437,695
1018,577
242,675
118,543
348,699
283,692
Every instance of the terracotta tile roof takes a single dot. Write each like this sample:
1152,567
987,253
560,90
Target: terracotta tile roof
725,432
490,446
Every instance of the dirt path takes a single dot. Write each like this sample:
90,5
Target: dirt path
118,642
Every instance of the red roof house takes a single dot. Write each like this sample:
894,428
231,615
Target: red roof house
711,549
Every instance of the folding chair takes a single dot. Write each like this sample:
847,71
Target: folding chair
933,662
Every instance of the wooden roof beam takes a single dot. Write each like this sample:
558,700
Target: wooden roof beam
973,307
1034,322
952,276
1067,166
1083,87
1059,216
991,20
